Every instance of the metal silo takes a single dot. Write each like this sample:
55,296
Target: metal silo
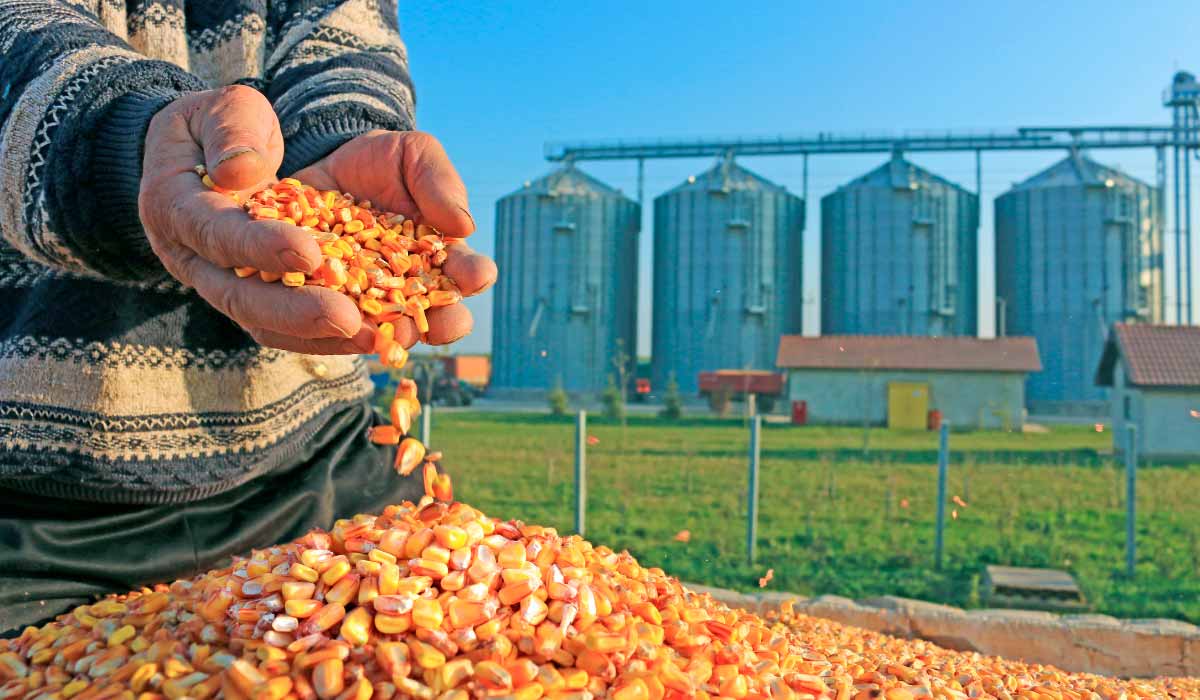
898,255
727,267
1078,246
566,248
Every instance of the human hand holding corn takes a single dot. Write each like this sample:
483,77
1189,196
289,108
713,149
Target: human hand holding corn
201,235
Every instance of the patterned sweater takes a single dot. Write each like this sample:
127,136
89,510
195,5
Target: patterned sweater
116,383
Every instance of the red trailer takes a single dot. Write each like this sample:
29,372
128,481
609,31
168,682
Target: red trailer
725,385
743,381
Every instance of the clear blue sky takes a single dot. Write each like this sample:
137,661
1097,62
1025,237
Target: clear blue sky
495,81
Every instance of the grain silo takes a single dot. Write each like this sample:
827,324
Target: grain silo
1078,247
566,298
727,268
898,255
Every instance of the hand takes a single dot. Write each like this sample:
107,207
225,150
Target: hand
199,234
409,173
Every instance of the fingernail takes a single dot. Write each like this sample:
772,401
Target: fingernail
330,327
295,261
234,153
468,213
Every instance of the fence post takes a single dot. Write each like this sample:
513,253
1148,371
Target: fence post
580,472
1130,499
943,476
752,492
426,422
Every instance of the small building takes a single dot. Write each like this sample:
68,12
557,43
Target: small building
1154,372
901,381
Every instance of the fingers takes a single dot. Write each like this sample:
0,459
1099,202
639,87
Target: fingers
306,312
472,272
240,135
362,342
406,332
435,186
448,324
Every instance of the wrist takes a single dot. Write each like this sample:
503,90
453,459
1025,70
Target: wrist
312,136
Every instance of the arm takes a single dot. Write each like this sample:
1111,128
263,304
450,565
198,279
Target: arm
336,73
74,109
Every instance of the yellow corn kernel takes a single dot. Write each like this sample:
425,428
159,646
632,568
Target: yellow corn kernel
409,455
304,573
327,680
122,635
426,656
356,627
298,590
339,568
427,613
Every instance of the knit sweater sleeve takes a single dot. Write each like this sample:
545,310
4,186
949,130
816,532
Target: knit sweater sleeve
75,103
336,70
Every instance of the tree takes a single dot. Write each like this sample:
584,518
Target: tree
619,384
672,401
620,361
614,401
557,397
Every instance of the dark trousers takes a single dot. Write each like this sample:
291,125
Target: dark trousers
58,554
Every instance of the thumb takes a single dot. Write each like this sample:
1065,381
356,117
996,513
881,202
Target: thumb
239,133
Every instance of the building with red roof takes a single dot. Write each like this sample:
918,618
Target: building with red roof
900,380
1154,372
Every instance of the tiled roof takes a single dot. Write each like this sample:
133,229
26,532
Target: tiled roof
1011,354
1164,356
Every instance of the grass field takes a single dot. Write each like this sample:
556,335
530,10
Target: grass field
836,520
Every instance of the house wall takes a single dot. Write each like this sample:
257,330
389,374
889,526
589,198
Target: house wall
966,399
1166,428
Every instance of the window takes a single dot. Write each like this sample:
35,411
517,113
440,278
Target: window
1128,407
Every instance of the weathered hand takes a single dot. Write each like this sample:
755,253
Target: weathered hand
200,234
409,173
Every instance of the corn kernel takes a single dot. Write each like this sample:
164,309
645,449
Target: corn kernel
293,279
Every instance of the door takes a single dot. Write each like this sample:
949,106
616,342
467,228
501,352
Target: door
908,405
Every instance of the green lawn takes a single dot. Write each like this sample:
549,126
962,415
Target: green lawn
836,520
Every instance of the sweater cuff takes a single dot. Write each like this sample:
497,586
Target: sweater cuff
315,136
121,245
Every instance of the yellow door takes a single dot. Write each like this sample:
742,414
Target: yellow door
908,405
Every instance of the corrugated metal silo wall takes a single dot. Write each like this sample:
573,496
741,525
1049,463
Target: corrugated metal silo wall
896,261
1070,261
568,272
753,274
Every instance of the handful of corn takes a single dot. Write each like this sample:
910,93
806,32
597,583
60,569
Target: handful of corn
386,264
435,601
389,266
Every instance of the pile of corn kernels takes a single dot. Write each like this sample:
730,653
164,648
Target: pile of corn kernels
437,601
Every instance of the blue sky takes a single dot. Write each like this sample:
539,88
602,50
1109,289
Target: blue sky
495,81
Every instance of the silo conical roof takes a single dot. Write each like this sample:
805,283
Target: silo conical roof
1074,170
566,180
898,173
726,175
